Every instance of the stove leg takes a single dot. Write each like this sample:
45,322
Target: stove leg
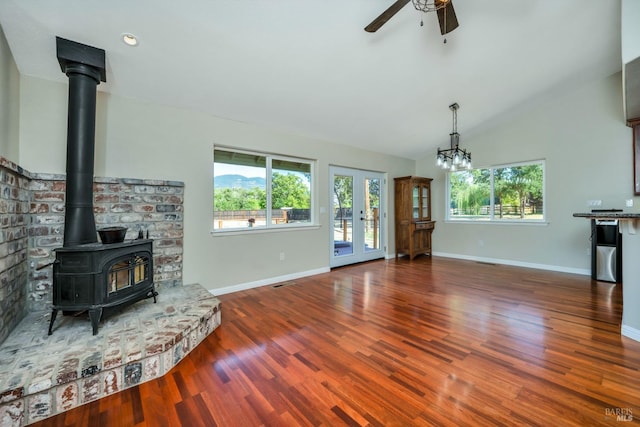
95,315
54,313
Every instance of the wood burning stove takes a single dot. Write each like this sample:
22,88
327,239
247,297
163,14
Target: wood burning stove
102,278
87,275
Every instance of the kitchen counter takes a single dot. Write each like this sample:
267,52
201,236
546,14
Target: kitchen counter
628,223
608,215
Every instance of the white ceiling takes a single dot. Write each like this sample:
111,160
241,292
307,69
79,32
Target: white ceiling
309,68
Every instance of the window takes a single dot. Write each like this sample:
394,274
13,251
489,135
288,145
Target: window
501,193
258,191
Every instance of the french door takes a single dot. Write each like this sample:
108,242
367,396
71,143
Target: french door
357,217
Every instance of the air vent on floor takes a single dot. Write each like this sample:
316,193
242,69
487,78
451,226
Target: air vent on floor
283,284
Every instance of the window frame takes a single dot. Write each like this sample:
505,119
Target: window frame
268,226
492,219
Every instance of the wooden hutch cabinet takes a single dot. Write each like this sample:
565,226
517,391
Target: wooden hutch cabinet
413,216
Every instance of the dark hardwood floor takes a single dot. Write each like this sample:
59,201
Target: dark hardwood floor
430,342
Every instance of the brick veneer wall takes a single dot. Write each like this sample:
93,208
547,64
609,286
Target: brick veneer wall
32,226
154,207
14,210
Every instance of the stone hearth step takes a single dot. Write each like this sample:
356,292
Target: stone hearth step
42,375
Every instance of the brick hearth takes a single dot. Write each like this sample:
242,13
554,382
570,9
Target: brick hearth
41,375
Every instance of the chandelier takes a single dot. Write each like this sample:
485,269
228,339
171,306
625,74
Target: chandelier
429,5
454,157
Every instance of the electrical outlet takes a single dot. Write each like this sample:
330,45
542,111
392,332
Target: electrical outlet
281,256
629,203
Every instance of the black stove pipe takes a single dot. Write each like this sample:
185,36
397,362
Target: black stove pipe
84,65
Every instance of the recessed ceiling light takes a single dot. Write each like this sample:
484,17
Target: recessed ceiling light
129,39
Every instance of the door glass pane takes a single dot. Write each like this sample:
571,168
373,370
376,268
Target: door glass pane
372,214
415,196
119,276
342,215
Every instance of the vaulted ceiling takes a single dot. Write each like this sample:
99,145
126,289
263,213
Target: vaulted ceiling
309,68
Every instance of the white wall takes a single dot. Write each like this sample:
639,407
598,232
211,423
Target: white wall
588,152
582,137
136,139
9,107
630,30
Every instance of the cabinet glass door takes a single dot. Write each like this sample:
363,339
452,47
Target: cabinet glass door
415,202
425,202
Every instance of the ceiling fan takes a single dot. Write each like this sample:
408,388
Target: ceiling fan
444,9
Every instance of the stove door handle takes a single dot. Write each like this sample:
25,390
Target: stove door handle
47,265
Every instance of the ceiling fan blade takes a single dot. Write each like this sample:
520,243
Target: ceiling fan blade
446,17
385,16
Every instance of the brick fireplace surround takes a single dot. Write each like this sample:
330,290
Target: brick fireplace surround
41,375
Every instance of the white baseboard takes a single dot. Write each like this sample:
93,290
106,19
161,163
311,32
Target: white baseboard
266,282
630,332
562,269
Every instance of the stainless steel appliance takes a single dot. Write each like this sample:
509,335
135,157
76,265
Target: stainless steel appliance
606,259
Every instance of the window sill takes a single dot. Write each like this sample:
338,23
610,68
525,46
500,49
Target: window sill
262,230
497,222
